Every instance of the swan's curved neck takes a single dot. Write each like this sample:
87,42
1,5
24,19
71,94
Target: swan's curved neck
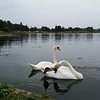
65,62
77,74
54,56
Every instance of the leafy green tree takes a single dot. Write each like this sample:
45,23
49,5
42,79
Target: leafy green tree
59,29
77,29
89,29
70,29
33,29
44,29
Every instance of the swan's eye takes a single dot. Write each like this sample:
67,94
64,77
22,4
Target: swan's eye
58,48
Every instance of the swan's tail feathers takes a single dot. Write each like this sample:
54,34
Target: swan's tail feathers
32,66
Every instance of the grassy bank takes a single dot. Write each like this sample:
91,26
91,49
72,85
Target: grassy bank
9,92
2,33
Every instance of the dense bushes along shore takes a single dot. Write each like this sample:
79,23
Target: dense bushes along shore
9,92
8,26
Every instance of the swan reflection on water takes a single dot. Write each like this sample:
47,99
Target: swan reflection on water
33,72
61,86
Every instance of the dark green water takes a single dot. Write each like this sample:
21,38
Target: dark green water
82,50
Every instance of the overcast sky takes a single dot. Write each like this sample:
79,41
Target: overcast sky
74,13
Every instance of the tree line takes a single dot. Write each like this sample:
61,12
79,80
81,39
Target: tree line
8,26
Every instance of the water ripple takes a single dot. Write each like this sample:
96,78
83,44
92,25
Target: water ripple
88,68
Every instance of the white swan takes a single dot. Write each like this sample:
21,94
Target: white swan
64,70
43,64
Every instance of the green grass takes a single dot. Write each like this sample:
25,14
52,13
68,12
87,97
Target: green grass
9,92
2,32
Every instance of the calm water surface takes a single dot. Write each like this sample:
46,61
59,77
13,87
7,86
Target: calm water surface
82,51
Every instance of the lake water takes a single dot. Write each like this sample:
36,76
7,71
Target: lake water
81,50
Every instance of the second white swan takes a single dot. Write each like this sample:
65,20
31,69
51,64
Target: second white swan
64,70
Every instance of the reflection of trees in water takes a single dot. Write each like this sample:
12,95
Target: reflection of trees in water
70,35
9,40
59,36
89,36
75,36
78,36
61,86
34,36
45,36
20,40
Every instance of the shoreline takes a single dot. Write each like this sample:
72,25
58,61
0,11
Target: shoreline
43,32
10,92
